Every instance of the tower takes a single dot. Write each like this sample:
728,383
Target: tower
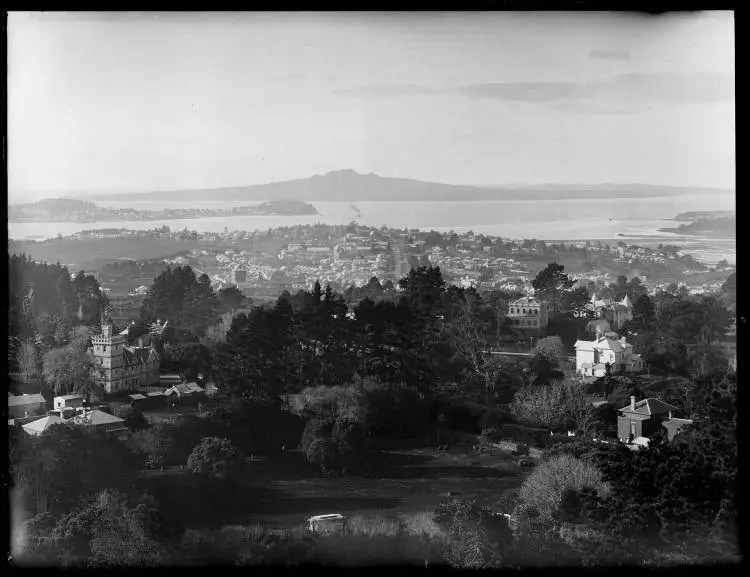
108,351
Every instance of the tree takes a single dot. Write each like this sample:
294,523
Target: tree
322,452
231,299
66,462
574,302
215,457
27,359
550,284
189,359
545,359
134,418
470,342
561,404
71,369
108,532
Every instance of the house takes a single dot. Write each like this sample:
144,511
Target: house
36,428
644,418
99,420
23,406
120,367
185,393
528,314
68,401
616,313
138,400
239,273
592,357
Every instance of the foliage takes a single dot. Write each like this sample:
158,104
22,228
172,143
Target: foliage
545,359
107,532
472,534
188,359
71,369
215,457
544,489
323,452
550,284
66,462
189,304
134,418
559,405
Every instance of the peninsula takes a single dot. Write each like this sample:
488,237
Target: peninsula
711,223
71,210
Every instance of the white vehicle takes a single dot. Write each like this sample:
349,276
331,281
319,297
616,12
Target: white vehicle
326,523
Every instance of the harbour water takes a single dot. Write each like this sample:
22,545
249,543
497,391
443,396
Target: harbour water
635,221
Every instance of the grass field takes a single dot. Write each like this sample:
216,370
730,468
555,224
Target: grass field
281,493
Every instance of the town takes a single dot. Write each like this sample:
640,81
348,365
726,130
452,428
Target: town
508,377
340,290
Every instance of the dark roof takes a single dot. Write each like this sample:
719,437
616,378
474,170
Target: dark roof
649,407
22,400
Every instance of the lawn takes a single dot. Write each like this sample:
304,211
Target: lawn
282,492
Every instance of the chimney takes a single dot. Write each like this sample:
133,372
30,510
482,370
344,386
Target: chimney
140,342
632,402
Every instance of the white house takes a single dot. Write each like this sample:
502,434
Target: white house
592,357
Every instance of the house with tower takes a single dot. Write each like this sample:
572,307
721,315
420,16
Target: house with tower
615,313
120,367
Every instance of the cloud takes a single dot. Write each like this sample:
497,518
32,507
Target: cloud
522,91
625,93
387,91
638,89
618,55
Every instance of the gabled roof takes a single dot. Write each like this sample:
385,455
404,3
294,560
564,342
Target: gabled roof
650,407
40,425
22,400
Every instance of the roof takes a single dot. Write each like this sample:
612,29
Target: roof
676,423
137,396
155,394
637,417
526,301
69,397
96,418
26,400
650,407
40,425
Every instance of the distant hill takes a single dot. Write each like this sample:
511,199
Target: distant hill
350,186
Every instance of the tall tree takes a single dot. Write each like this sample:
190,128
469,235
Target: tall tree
550,284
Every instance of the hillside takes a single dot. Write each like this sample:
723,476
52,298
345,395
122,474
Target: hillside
350,186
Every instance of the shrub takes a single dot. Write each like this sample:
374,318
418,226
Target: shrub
134,418
372,527
422,524
215,457
322,452
544,488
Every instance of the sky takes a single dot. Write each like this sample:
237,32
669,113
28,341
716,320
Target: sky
120,102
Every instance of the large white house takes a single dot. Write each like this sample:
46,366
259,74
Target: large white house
592,357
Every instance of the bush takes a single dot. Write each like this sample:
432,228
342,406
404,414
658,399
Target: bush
322,452
215,457
545,487
134,418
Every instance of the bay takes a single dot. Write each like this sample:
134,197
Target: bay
633,220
